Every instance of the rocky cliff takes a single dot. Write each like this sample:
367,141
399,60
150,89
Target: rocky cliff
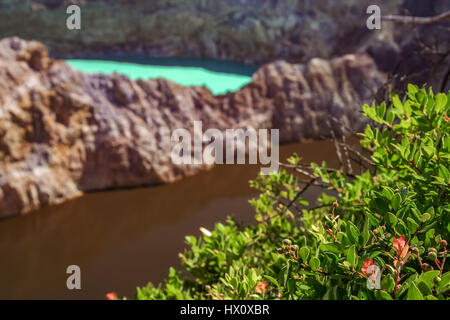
253,31
63,132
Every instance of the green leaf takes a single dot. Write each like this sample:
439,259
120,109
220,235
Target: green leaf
303,202
330,247
352,233
388,283
382,295
430,151
416,214
381,110
408,112
412,89
401,227
441,102
352,256
365,233
392,219
412,225
395,201
291,285
369,133
397,103
390,116
406,284
424,288
285,271
425,217
314,263
444,283
273,280
304,253
443,173
414,293
388,192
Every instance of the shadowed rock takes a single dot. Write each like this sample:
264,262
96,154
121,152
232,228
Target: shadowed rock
63,132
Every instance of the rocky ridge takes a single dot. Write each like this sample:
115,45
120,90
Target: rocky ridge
252,31
63,132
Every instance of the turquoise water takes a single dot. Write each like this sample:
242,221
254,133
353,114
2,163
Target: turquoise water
220,77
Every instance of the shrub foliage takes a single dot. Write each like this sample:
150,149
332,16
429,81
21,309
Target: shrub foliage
381,234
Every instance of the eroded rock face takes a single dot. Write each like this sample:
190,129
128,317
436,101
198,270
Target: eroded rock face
63,132
252,31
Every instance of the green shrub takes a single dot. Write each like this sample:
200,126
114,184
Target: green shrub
391,222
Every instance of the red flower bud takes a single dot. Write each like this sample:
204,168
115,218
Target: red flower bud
261,287
111,296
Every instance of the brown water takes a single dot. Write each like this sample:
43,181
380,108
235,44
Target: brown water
123,239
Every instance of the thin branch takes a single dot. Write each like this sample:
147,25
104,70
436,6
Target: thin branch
315,184
300,193
359,154
443,261
321,206
304,172
299,167
347,157
418,20
336,146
